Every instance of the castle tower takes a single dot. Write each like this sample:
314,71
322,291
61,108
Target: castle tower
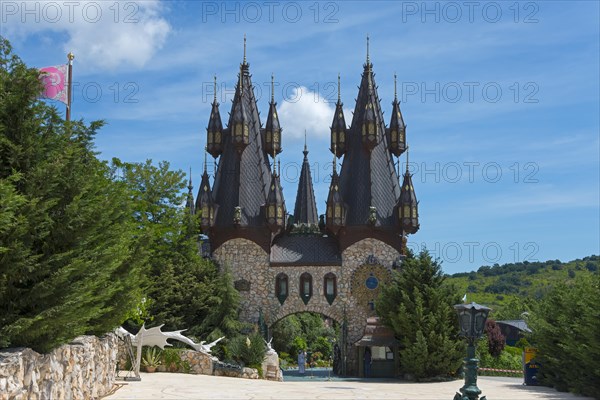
368,184
243,177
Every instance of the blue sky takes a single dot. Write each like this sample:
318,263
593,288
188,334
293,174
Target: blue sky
501,100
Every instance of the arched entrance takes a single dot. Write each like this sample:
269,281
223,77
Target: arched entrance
309,345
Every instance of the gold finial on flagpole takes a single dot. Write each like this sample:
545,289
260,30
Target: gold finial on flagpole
70,56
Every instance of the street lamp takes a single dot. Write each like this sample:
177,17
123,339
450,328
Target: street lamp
471,319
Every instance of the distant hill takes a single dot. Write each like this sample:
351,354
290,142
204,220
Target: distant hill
509,285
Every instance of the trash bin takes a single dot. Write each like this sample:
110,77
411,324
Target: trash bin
530,373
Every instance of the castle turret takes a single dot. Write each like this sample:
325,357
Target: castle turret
272,131
214,131
338,126
408,206
204,202
396,133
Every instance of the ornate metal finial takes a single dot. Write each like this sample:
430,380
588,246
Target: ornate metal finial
272,88
279,167
305,148
244,49
339,91
395,89
70,56
407,147
215,89
398,166
274,161
190,187
368,58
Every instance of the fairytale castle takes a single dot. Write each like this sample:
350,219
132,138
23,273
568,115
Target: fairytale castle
288,263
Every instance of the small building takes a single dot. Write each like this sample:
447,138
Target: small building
382,344
513,330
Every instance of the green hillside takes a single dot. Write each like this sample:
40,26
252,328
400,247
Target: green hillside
509,288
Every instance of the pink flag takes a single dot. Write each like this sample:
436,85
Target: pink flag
55,80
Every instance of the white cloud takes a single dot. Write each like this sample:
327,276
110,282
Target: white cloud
305,109
102,35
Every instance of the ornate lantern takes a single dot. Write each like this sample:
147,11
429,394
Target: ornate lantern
471,320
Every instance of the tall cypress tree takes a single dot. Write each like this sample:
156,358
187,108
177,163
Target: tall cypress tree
418,306
70,256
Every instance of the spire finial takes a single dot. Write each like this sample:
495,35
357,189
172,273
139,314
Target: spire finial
244,49
240,83
215,94
190,187
339,91
407,147
395,89
368,58
305,148
398,167
274,162
272,88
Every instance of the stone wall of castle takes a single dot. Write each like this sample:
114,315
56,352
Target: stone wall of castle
255,278
83,369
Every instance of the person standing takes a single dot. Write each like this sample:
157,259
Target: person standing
301,361
367,362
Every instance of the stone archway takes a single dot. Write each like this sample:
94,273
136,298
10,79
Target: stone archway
363,265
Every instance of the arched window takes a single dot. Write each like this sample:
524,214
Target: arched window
281,287
306,287
330,287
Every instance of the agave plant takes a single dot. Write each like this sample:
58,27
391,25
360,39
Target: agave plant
151,359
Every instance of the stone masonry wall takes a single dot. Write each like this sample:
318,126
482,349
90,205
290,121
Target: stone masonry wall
83,369
249,262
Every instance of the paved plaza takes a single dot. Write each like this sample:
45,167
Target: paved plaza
185,386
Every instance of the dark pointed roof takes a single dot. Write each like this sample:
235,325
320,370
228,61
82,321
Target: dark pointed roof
190,197
408,204
243,177
368,177
305,211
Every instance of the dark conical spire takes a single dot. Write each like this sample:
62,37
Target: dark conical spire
338,127
214,131
190,197
408,206
272,131
305,211
370,129
396,133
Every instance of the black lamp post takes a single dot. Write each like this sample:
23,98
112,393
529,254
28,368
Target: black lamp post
471,319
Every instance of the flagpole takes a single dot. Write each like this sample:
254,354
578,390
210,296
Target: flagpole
70,57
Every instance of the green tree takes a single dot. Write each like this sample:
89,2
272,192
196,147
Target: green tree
418,306
185,290
70,258
566,331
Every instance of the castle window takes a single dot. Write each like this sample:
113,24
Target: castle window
281,287
330,287
305,287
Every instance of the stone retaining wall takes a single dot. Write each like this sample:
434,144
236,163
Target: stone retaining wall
83,369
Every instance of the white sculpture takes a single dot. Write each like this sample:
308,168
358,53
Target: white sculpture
155,337
270,349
